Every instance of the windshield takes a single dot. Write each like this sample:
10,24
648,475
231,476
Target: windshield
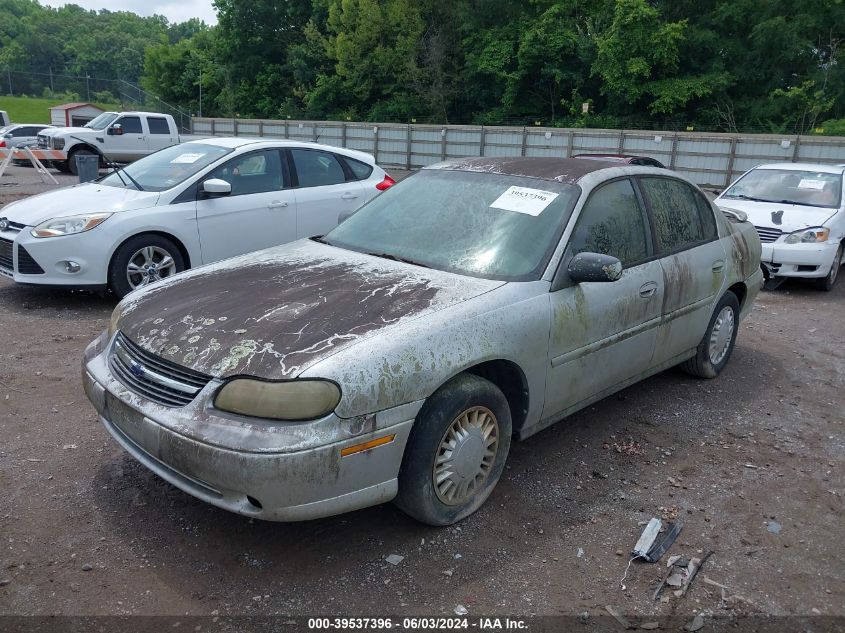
788,186
167,168
478,224
101,121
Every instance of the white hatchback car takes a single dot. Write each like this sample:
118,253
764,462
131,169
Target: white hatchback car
799,213
184,206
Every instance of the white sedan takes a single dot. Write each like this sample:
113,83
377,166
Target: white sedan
799,212
184,206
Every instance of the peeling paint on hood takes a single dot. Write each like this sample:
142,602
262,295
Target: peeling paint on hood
273,313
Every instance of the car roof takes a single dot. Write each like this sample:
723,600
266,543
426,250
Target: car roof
566,170
236,142
820,167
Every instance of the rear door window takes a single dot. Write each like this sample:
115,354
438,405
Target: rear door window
678,214
315,168
158,125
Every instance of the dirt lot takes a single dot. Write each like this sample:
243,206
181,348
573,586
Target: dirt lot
751,462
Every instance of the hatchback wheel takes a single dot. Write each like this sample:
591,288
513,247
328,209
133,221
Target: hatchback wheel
716,346
143,260
456,451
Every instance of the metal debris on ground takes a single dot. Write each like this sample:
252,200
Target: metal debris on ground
680,573
696,623
394,559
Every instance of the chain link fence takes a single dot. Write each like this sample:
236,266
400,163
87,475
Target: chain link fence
109,93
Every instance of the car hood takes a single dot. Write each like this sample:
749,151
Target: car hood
83,198
276,312
55,131
785,217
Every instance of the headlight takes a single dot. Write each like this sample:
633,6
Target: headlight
69,225
288,400
808,235
58,142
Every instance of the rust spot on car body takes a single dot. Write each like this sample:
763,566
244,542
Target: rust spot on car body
272,314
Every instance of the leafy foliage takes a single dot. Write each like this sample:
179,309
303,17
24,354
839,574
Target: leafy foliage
712,64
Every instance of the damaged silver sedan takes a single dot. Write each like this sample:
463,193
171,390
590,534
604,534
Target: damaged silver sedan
396,357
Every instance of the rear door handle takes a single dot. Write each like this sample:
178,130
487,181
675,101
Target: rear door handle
277,204
648,289
718,265
349,196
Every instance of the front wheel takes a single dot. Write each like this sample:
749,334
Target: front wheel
715,348
827,282
456,452
142,260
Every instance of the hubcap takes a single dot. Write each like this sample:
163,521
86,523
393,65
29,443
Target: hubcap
720,337
149,264
466,455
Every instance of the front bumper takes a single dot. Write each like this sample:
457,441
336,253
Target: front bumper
276,472
798,260
41,261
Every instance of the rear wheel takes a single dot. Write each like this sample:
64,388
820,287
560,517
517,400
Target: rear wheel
456,452
826,283
143,260
715,348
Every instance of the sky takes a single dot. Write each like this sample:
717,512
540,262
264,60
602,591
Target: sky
173,10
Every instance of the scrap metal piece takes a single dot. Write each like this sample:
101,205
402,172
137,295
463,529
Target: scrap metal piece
664,542
647,538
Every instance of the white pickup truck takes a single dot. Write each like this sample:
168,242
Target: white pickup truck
115,136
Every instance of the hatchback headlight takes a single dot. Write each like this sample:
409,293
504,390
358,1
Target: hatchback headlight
69,225
289,400
818,234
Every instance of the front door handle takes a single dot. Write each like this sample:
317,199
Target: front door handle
648,289
349,196
718,265
277,204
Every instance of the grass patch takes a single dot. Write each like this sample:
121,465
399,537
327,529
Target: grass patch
37,110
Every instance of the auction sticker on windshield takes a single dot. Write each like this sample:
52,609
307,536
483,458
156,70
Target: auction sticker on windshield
524,200
807,183
187,158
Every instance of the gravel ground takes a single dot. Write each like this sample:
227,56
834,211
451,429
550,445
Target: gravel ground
751,462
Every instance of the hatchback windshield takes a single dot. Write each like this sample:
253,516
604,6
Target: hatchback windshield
484,225
167,168
787,186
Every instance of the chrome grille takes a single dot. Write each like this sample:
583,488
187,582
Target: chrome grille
153,377
768,234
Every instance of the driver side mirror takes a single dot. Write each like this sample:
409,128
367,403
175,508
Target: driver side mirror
594,267
116,130
216,188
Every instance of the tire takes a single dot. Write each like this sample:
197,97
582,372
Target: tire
62,166
826,283
148,254
707,362
70,164
478,411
